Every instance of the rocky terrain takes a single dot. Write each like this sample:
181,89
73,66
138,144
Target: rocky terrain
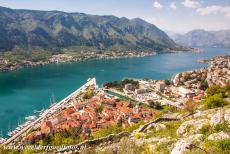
205,131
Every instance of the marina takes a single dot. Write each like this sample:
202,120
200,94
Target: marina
32,121
28,119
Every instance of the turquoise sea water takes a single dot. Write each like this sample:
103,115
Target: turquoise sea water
29,89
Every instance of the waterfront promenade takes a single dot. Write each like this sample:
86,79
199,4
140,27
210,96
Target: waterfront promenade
52,110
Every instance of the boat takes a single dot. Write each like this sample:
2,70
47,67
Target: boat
30,118
2,140
18,129
12,133
88,79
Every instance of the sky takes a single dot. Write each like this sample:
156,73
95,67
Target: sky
177,16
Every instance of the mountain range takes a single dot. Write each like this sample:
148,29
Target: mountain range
55,30
203,38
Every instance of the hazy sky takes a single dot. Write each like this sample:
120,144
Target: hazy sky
171,15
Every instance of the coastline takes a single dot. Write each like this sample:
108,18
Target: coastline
71,57
65,58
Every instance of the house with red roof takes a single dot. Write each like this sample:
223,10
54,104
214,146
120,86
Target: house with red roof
46,128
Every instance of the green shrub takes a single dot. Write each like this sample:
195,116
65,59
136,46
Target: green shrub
224,144
133,127
167,82
88,94
222,127
206,129
218,90
217,147
107,131
214,101
99,109
170,109
163,147
138,135
170,130
156,105
204,85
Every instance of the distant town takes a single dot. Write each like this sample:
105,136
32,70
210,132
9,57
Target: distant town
9,63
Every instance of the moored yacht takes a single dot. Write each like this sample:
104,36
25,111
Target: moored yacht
2,140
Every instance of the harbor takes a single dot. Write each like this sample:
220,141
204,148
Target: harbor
32,121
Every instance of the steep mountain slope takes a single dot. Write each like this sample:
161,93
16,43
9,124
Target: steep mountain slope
202,38
55,30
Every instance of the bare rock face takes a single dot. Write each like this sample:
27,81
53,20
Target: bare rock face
191,127
157,126
185,144
218,136
217,119
227,116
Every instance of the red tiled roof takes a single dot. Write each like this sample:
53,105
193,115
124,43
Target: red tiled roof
136,116
68,111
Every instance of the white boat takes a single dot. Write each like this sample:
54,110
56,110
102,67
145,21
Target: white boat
2,140
30,118
18,129
12,133
88,79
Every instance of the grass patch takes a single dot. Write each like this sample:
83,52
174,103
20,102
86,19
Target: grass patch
208,129
163,148
170,130
115,129
222,127
106,131
218,147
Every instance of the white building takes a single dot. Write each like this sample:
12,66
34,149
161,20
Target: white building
185,92
160,86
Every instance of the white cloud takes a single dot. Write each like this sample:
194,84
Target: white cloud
191,4
157,5
173,6
215,9
152,20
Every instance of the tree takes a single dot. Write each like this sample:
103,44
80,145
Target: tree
216,89
156,105
88,94
167,82
99,109
204,85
